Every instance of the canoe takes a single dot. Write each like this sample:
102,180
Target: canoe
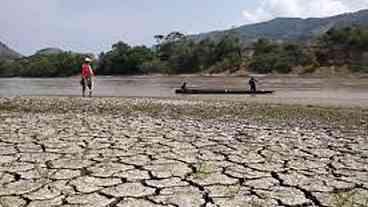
220,91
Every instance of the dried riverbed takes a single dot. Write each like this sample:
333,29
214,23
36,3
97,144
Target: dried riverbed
60,151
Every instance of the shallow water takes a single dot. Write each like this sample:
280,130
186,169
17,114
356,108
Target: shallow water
347,92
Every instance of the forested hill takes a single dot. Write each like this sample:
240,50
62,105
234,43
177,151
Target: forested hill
7,53
49,51
290,29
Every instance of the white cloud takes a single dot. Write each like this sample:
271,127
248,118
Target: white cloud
268,9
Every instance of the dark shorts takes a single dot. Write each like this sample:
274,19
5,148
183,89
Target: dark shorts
86,83
253,88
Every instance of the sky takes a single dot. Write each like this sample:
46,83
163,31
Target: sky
92,26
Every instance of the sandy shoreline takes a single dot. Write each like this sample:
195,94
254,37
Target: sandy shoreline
67,151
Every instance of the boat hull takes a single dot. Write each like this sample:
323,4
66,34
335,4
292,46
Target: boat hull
219,91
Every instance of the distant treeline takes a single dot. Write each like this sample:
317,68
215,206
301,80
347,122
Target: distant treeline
177,54
51,65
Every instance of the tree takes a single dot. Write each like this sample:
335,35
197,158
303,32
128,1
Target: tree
342,45
10,68
183,55
263,46
124,59
159,38
120,46
269,57
174,36
136,57
205,51
227,47
294,53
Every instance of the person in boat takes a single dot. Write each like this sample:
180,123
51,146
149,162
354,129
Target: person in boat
252,84
87,77
184,86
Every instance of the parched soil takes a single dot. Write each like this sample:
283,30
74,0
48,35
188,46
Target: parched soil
60,151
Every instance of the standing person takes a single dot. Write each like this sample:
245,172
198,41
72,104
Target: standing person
87,75
252,84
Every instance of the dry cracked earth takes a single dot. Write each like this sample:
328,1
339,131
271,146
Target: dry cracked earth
78,158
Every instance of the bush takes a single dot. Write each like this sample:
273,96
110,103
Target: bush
124,59
155,66
309,69
269,57
359,68
10,68
262,64
282,67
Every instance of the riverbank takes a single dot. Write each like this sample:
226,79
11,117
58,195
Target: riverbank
331,92
65,151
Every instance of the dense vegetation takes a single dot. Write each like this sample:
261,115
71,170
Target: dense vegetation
347,46
173,54
176,54
270,57
52,65
124,59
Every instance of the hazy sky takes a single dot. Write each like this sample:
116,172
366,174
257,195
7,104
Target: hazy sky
94,25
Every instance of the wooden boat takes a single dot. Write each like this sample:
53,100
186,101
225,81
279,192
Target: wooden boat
220,91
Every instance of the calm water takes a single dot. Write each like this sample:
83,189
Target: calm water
351,92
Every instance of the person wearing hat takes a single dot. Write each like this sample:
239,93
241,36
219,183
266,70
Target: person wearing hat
87,75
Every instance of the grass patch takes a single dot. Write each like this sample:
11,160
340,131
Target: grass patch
359,68
309,69
204,170
6,107
352,198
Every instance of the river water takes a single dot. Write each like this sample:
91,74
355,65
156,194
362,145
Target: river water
294,90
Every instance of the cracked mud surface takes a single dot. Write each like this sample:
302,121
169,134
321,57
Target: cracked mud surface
71,152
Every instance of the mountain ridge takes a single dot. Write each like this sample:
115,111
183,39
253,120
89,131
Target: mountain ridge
49,51
289,28
7,53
